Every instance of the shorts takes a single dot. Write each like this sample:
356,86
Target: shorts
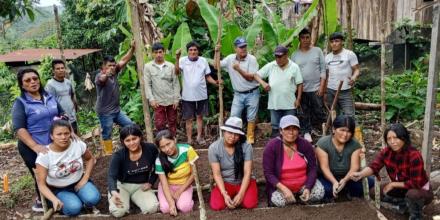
191,109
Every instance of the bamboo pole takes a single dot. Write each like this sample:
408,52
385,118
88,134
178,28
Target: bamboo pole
349,30
59,36
202,209
360,137
332,112
219,70
434,68
139,50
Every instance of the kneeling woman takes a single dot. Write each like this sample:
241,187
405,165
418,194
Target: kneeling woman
339,156
175,174
61,176
131,174
289,165
404,164
231,163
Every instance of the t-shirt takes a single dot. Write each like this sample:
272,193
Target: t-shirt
312,65
218,154
63,92
182,167
339,163
249,64
339,68
123,169
293,172
107,95
283,84
194,83
63,168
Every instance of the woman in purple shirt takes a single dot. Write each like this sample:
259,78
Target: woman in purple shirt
289,166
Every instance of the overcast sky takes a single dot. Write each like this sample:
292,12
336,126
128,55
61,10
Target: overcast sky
49,2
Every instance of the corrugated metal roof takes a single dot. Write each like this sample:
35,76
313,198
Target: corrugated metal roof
31,55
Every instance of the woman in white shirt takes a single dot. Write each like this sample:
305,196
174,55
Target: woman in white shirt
63,172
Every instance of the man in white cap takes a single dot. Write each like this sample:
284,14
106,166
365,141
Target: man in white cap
246,92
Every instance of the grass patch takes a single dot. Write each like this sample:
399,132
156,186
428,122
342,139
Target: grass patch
20,190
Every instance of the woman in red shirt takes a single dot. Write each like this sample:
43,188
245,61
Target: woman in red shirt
409,187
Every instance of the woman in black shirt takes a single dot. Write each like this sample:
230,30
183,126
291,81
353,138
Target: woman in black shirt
131,174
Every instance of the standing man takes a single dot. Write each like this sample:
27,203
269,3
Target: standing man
62,89
285,80
342,65
196,72
162,89
246,93
107,100
311,61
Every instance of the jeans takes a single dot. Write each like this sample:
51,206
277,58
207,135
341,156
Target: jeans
345,101
312,111
276,115
107,123
73,201
355,189
246,100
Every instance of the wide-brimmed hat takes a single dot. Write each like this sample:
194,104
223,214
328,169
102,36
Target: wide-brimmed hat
233,125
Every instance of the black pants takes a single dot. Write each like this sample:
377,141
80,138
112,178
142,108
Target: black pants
29,157
311,112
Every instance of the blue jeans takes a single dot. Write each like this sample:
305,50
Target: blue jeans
345,101
355,189
275,117
73,201
107,123
246,100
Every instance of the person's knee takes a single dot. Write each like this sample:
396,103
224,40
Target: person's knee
185,206
249,203
150,207
92,199
217,205
118,212
72,208
164,207
216,202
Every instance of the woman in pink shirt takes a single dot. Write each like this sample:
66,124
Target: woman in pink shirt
289,165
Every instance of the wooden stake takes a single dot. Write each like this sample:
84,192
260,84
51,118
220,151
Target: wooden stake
434,68
59,36
350,32
219,70
332,112
199,192
139,51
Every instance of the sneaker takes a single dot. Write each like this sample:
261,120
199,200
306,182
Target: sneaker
308,137
38,206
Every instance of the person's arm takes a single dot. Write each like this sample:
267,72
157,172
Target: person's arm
89,163
312,169
244,183
113,172
26,138
354,167
153,155
41,175
149,87
177,64
264,84
356,72
299,95
127,57
216,173
416,172
244,74
184,186
167,193
323,76
176,88
102,77
324,165
212,80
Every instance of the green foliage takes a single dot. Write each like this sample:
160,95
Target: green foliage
330,16
182,37
363,50
87,119
13,9
412,32
20,191
45,69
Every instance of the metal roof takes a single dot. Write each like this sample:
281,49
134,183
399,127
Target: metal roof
31,55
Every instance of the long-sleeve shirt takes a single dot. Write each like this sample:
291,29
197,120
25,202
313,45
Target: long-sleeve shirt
127,171
405,166
161,83
273,161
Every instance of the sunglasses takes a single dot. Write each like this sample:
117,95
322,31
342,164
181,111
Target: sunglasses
28,80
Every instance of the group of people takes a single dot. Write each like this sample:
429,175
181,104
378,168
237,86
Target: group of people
295,170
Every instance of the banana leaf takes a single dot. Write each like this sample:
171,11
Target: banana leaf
252,32
210,15
230,32
330,16
182,37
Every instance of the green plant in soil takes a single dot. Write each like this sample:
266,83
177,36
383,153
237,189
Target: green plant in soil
20,190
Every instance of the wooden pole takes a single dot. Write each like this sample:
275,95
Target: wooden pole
139,51
360,137
349,30
219,70
332,112
199,192
59,36
434,68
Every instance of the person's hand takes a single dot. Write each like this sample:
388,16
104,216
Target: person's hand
388,187
40,149
116,199
219,82
238,199
236,66
57,205
335,189
173,209
320,92
351,81
178,53
146,186
80,184
305,196
154,104
342,183
266,87
217,47
228,201
176,194
297,103
175,105
356,176
288,195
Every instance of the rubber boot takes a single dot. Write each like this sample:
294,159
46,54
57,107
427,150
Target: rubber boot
108,147
251,132
415,208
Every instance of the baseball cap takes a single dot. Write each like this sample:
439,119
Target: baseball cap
281,50
240,42
289,120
